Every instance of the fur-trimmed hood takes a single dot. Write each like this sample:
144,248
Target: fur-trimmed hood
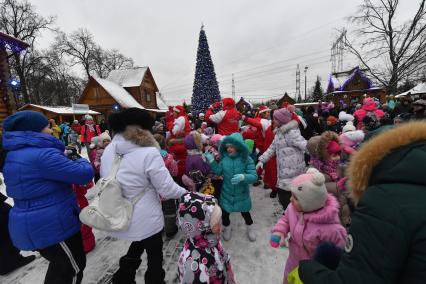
134,137
329,214
293,124
394,156
326,138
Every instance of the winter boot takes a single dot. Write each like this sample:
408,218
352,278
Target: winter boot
273,194
256,183
250,233
127,271
227,233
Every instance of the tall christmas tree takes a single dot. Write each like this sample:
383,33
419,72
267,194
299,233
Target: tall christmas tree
205,90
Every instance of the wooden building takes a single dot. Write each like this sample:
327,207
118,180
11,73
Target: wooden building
124,88
7,97
61,113
285,98
243,106
351,87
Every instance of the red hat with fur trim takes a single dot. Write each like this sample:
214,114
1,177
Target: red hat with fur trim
179,109
263,109
228,103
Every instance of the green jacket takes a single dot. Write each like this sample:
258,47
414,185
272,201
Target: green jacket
387,237
235,198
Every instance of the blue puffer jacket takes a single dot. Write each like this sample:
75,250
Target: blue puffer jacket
235,198
38,176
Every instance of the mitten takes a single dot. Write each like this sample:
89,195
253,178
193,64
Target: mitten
237,178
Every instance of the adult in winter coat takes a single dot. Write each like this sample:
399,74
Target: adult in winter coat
227,119
56,130
88,131
270,176
39,178
181,128
369,108
386,242
289,146
238,173
141,174
261,122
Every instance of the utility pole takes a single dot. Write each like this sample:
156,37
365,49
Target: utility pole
306,69
233,87
298,97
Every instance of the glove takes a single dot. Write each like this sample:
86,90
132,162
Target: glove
209,157
237,178
277,239
259,165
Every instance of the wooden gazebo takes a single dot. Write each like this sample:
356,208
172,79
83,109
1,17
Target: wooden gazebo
8,44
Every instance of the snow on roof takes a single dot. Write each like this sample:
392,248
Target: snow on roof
161,103
419,89
60,109
120,95
131,77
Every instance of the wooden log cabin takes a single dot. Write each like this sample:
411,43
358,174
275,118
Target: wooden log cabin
123,88
351,87
7,99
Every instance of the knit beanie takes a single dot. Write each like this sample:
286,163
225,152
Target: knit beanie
332,120
310,190
348,127
26,121
216,139
333,148
283,116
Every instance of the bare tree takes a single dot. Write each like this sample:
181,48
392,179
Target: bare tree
19,19
106,61
79,47
390,51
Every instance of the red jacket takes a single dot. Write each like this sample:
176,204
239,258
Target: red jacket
87,135
260,125
227,121
76,128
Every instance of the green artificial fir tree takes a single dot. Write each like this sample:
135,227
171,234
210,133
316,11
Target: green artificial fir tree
206,89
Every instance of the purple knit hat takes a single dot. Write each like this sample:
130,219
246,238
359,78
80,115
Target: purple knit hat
283,116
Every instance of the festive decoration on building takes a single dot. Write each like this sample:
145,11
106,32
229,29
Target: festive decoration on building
206,89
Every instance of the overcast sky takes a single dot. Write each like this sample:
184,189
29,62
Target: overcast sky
261,42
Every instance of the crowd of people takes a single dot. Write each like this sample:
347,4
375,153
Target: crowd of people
349,179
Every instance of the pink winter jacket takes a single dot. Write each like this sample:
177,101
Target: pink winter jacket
308,230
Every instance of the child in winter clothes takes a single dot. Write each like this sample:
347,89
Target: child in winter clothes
203,259
86,231
238,172
311,218
168,206
212,148
196,167
329,150
289,146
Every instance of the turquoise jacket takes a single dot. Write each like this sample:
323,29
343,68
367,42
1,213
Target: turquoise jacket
235,198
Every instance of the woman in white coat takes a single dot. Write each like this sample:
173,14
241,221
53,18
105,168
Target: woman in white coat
141,173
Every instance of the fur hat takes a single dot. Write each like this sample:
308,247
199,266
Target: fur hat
310,190
283,116
26,121
131,116
352,138
95,140
88,117
263,109
349,126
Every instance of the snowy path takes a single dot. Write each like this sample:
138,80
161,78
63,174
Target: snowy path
252,262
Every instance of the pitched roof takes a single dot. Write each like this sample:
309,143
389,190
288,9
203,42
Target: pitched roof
60,109
339,81
131,77
161,103
119,94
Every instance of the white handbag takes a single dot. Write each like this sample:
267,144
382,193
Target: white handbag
109,210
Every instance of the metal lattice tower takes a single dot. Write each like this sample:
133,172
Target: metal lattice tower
297,82
337,50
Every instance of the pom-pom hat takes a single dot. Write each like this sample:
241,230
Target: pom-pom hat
283,116
310,190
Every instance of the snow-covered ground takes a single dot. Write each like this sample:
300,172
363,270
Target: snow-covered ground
254,262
